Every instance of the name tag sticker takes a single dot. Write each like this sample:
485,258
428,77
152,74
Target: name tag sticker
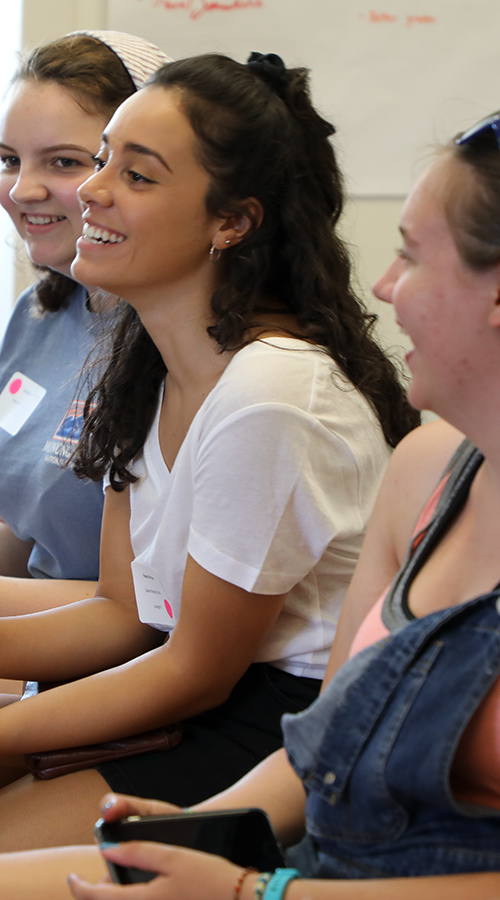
152,603
18,400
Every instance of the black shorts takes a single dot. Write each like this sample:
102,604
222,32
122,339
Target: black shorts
218,746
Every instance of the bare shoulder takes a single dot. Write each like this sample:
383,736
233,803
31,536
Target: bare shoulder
412,474
438,433
413,471
423,454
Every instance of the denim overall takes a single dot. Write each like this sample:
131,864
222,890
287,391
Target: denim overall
376,749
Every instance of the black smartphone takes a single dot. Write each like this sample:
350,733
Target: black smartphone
244,836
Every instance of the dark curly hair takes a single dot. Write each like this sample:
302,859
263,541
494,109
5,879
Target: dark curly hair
98,81
260,137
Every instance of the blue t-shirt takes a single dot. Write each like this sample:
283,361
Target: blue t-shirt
40,420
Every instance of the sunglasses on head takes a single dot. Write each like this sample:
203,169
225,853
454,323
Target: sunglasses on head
491,123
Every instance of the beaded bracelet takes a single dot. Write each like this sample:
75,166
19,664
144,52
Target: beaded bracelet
260,885
239,882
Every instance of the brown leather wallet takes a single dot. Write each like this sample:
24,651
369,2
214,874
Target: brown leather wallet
52,763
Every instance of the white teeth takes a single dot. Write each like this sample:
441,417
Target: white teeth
97,235
43,220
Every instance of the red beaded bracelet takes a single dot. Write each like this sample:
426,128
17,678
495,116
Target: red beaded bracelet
239,882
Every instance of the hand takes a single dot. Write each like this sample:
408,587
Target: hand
182,875
117,806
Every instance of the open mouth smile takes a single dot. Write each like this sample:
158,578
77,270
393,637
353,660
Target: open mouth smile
97,235
43,220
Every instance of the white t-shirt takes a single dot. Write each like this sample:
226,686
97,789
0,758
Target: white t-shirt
271,490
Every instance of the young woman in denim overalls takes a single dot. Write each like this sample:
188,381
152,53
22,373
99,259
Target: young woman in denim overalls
400,755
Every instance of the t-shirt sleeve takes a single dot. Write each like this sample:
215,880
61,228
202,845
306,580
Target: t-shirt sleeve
273,487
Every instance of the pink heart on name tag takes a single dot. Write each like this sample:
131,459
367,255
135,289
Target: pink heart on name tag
168,608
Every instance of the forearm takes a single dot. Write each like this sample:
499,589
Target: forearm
112,704
70,642
163,685
482,886
191,875
274,787
42,874
19,596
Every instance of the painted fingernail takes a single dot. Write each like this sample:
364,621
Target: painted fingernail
109,845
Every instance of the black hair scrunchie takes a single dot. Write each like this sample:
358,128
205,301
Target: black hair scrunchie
271,69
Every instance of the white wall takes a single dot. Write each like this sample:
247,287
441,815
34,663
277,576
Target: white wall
371,227
44,21
370,224
10,39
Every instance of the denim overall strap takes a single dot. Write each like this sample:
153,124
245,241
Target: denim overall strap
459,475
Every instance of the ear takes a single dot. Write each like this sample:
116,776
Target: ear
235,228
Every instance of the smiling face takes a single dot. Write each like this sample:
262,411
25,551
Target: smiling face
146,227
47,144
443,305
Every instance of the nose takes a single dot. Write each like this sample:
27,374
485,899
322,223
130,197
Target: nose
384,286
28,188
95,190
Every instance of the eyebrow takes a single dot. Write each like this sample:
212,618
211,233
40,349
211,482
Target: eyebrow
132,147
55,149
